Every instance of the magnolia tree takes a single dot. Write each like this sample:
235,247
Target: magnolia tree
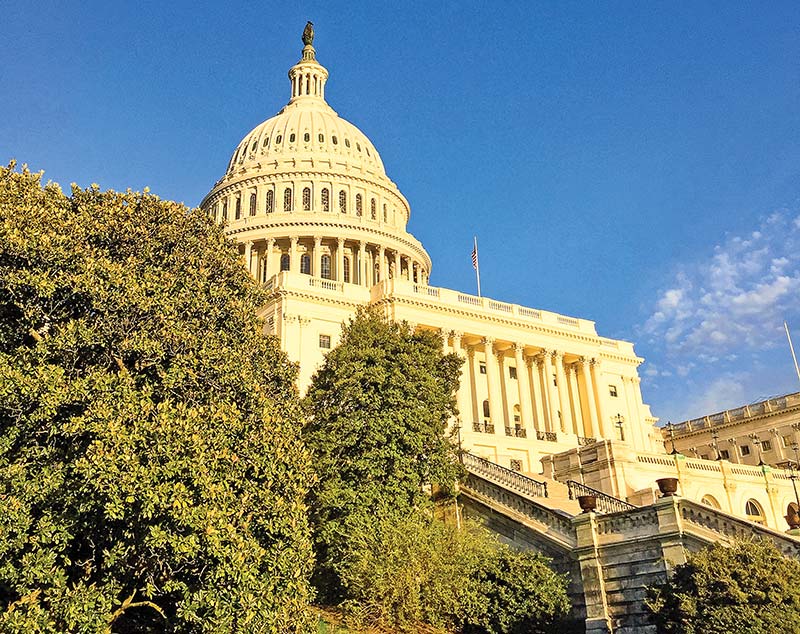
152,477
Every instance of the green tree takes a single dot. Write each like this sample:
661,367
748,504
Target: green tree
378,411
152,477
748,587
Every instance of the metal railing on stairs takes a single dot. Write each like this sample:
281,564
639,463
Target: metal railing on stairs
605,503
507,477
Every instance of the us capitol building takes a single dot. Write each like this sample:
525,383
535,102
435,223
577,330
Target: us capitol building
323,228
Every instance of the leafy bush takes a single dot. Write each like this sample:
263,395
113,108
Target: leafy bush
749,588
152,476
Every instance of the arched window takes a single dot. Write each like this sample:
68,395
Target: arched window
347,142
372,213
754,512
285,262
238,207
269,204
291,138
385,214
710,500
326,200
306,137
287,199
334,140
215,211
325,267
306,199
343,201
346,267
486,409
358,146
265,143
305,264
255,145
321,138
225,209
253,204
359,205
517,417
278,139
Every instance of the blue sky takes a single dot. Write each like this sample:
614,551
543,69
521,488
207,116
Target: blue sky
634,163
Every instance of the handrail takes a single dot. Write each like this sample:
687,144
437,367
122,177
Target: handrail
508,477
605,503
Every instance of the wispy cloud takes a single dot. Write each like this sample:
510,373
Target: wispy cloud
708,330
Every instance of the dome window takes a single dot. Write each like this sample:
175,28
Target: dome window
225,209
326,200
238,208
278,139
359,205
343,201
265,143
358,146
269,205
372,213
306,199
325,267
305,264
334,140
321,138
291,138
347,142
255,145
287,199
367,149
306,137
385,214
285,262
253,204
346,269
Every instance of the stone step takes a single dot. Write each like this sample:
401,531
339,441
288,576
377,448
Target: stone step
557,495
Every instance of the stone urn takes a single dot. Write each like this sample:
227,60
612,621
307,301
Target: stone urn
667,486
587,503
792,518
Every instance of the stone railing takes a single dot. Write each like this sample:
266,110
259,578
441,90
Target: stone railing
483,428
545,521
507,477
739,413
518,432
697,515
586,441
605,503
549,436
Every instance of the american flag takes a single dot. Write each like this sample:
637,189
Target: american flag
475,257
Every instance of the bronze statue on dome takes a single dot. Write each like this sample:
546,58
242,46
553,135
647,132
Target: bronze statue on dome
308,34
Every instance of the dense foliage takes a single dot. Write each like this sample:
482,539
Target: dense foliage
749,587
152,477
378,412
402,571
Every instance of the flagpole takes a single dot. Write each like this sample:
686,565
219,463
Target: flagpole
477,266
791,347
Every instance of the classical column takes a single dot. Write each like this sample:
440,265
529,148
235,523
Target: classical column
493,386
463,396
563,398
382,263
248,256
294,256
588,386
605,424
534,365
396,274
363,280
639,436
526,418
316,266
575,400
552,407
266,260
643,425
340,260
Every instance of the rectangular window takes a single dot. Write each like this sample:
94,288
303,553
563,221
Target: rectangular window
787,441
482,367
704,456
766,445
745,450
725,454
512,372
325,342
612,390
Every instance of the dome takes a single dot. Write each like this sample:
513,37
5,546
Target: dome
307,184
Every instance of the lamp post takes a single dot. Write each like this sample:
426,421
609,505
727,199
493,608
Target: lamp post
618,421
793,478
671,430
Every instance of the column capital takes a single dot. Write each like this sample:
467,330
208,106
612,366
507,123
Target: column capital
317,240
519,347
340,242
294,240
557,354
457,335
488,341
775,432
